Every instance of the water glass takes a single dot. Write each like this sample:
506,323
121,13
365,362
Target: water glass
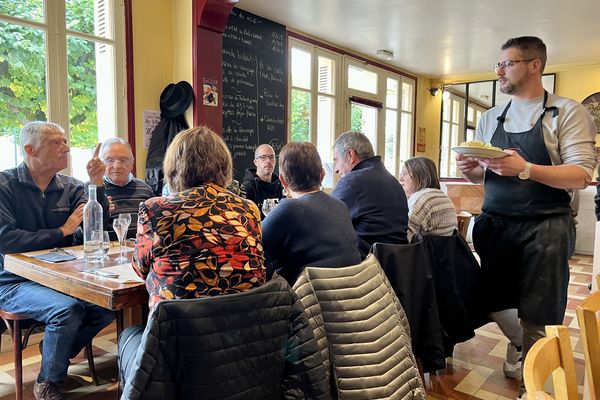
268,205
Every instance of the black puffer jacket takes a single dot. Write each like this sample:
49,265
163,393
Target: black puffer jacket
251,345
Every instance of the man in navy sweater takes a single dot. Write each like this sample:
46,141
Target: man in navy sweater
374,197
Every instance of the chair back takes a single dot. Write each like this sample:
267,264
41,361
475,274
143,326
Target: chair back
590,333
552,355
464,219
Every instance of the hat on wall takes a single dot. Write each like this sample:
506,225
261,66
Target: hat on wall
175,99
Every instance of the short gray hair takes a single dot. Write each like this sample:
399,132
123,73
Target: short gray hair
34,132
356,141
108,142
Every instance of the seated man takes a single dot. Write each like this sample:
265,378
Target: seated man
125,191
374,197
40,209
261,183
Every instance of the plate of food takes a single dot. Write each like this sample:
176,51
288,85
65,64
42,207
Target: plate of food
479,149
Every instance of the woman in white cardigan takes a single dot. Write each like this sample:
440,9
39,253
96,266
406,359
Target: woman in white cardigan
430,211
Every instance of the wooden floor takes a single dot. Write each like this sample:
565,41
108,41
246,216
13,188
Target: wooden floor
475,372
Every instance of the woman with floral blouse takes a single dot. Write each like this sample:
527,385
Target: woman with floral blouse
201,240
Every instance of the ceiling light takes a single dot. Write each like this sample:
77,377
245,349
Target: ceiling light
385,54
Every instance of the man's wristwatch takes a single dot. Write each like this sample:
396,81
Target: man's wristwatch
525,173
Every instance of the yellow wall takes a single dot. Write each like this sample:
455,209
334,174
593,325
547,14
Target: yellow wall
182,46
428,113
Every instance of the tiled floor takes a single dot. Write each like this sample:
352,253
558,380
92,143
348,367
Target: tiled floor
474,372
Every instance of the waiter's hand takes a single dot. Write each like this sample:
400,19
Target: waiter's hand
95,168
510,165
466,164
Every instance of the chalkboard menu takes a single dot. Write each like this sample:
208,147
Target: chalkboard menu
254,86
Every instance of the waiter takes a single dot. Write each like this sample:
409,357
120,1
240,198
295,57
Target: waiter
525,233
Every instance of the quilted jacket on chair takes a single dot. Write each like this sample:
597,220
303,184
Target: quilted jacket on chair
360,324
252,345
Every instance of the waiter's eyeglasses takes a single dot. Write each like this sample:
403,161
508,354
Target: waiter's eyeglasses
507,64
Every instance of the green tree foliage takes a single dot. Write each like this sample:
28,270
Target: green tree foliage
23,71
356,123
300,116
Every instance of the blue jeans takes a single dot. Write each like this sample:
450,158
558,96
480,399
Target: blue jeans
70,323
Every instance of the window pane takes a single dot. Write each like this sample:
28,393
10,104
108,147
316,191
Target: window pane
406,146
92,113
364,119
301,68
325,134
391,95
470,114
326,75
22,86
90,16
455,111
300,116
446,110
445,150
32,10
391,135
407,97
453,142
361,79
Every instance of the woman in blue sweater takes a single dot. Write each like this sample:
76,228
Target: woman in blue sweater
309,228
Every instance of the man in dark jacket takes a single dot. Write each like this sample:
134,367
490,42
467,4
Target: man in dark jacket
374,197
261,183
40,209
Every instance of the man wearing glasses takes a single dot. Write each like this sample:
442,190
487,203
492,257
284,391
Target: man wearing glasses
261,183
124,190
525,234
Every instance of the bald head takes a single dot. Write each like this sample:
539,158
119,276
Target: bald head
264,159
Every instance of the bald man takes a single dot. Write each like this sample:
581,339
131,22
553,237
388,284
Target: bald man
261,183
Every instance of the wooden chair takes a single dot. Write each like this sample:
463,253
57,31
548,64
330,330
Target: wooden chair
464,219
589,325
20,328
552,355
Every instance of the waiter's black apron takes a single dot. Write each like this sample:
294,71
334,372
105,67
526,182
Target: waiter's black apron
525,233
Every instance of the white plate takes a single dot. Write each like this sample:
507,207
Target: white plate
479,152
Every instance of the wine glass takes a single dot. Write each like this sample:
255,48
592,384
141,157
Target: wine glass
106,243
268,205
121,230
126,218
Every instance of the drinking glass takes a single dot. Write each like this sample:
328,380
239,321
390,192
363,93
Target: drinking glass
121,230
268,205
106,244
126,218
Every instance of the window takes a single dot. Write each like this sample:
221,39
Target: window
331,93
62,61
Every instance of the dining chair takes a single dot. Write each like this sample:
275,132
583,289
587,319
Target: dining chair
590,333
20,329
464,219
552,355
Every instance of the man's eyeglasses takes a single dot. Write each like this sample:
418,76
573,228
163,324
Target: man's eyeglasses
507,64
265,158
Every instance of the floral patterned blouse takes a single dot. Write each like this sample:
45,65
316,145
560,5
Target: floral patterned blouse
204,241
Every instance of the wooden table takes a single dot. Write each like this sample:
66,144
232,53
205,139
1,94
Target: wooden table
68,278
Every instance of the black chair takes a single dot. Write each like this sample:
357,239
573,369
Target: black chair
20,329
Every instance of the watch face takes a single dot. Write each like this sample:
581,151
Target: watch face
592,103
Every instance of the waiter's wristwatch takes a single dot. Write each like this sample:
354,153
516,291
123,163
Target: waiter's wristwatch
525,173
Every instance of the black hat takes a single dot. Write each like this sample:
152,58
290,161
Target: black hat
175,99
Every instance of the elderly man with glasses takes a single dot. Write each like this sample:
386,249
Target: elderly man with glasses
262,183
124,190
525,234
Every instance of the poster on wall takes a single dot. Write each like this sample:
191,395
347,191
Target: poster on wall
210,94
151,119
421,140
